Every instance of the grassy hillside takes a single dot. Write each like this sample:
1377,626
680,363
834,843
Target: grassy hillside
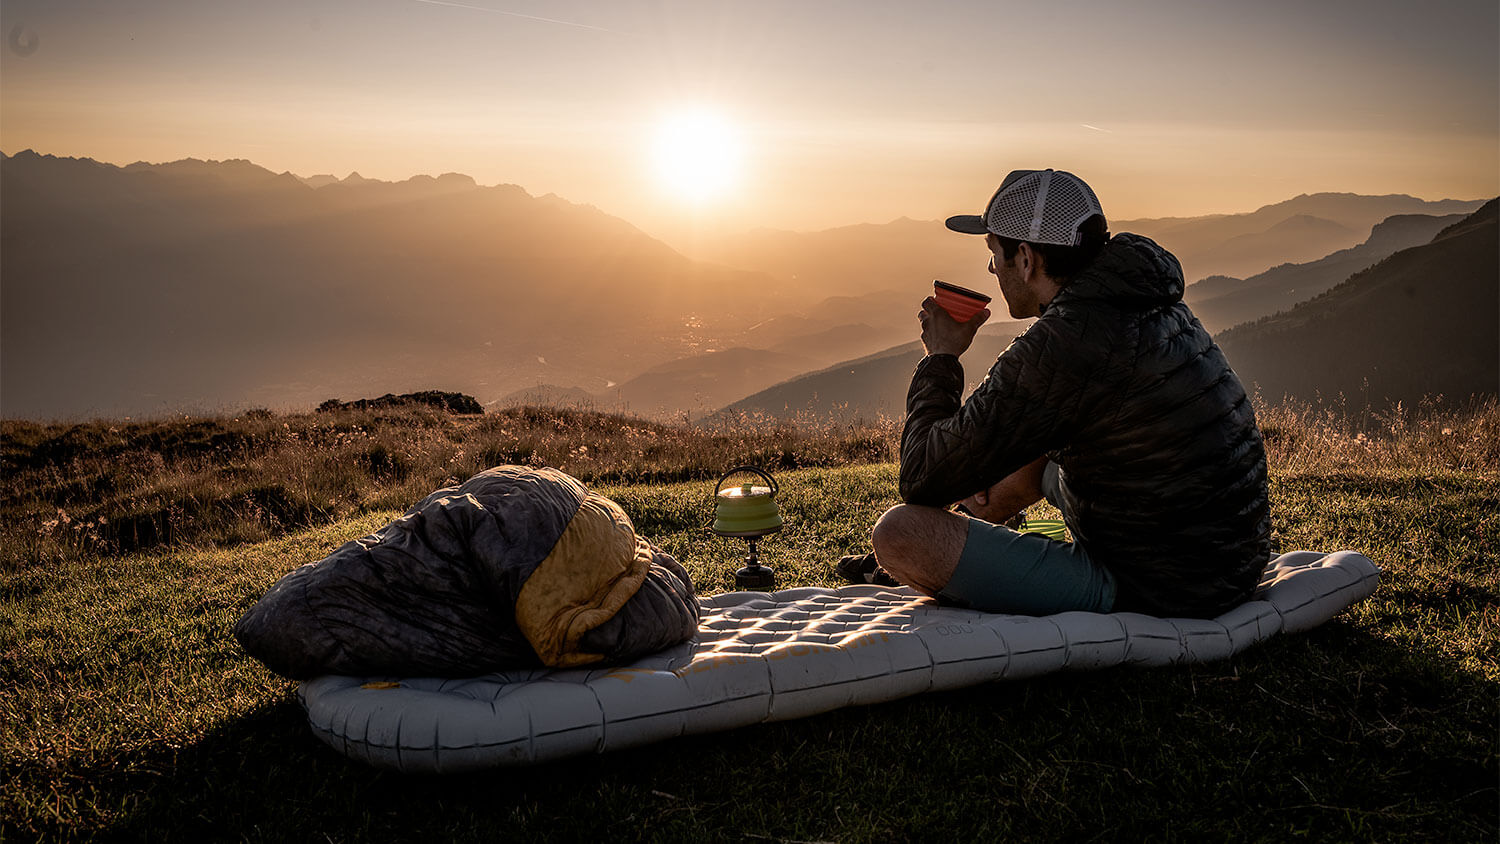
131,714
70,492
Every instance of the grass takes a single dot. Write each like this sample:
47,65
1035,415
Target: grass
80,491
130,713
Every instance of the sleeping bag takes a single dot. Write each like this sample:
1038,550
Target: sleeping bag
514,567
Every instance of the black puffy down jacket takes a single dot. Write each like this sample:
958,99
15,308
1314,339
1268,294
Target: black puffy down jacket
1163,468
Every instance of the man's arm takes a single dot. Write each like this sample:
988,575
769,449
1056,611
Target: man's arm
1010,495
951,450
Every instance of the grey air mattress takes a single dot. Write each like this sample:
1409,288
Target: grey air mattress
761,657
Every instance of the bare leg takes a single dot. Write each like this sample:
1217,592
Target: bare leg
920,546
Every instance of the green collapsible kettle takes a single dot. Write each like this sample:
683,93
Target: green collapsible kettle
749,512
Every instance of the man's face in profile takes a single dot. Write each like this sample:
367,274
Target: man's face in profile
1018,296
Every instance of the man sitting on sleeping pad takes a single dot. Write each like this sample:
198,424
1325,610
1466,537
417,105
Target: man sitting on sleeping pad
1115,405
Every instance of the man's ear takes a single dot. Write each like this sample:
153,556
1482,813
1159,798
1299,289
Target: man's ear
1027,261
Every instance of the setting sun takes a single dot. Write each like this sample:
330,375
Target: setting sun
697,154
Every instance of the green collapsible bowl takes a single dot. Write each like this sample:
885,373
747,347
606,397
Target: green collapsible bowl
1050,528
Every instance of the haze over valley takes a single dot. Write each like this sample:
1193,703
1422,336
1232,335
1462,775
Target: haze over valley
194,286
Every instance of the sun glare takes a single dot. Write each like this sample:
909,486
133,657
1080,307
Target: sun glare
697,155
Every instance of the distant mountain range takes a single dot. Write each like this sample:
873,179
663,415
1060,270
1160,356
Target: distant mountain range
880,267
701,384
154,288
866,388
209,285
1221,302
858,259
1301,229
1424,320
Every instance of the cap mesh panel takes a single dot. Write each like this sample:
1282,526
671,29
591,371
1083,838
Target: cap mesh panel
1069,202
1060,218
1010,214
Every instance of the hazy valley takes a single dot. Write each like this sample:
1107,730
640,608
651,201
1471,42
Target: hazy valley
211,286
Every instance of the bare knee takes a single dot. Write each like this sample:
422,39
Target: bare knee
919,546
895,531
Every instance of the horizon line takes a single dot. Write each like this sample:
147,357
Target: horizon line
418,175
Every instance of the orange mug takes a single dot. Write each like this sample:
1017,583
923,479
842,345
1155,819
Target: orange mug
961,303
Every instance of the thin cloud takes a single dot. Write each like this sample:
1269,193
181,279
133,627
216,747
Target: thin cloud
513,14
1096,128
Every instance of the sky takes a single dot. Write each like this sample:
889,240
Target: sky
707,116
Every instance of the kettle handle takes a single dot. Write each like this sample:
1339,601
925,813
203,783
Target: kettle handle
757,471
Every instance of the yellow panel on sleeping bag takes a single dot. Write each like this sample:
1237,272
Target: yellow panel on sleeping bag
596,566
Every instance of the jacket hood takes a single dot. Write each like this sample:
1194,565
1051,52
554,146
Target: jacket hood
1131,272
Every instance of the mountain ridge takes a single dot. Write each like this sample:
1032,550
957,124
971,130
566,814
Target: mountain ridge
1221,302
277,294
1422,321
202,283
1377,349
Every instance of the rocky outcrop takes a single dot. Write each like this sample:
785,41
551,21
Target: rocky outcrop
450,402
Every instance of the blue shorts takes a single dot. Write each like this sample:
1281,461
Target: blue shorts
1003,571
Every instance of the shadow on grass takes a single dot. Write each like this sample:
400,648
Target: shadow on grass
1335,734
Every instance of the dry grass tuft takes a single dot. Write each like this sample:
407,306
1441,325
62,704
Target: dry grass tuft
1329,438
72,491
68,492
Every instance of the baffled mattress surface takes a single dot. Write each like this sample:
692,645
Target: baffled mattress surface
761,657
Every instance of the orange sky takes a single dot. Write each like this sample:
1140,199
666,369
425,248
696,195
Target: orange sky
837,112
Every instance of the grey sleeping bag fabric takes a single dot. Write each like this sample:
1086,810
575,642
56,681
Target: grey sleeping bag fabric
514,567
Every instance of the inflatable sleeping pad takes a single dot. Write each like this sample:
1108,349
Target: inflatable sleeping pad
761,657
